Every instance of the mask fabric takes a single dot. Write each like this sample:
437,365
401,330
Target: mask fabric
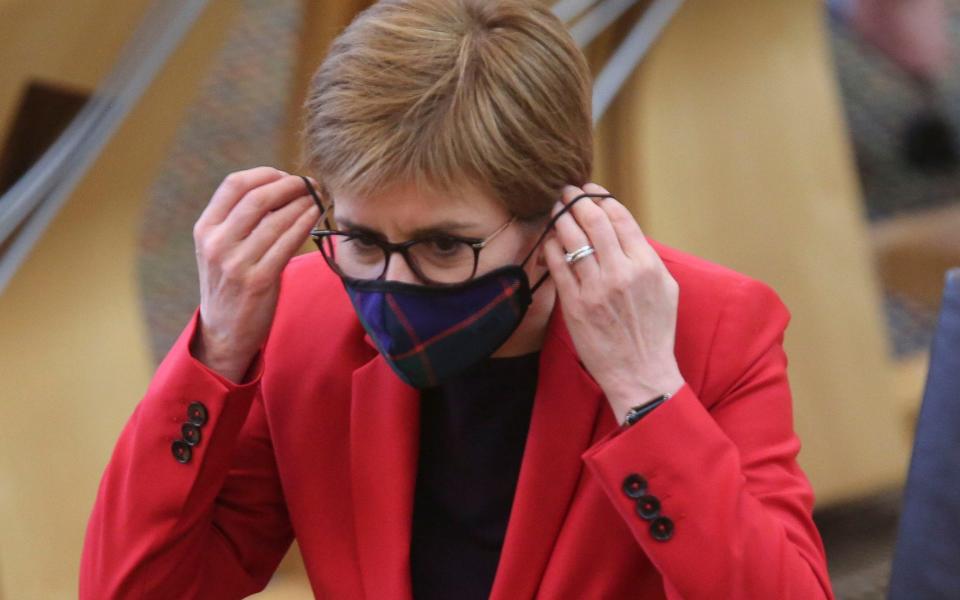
430,333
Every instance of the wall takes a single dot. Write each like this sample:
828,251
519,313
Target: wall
73,353
74,45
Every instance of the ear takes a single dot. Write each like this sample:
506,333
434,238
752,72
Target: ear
538,258
541,259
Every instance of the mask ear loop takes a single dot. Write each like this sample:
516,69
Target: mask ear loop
553,221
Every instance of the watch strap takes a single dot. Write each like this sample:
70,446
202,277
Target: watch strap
641,410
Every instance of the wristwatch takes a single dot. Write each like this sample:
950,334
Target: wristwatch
641,410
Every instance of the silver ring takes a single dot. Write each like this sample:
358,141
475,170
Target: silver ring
579,254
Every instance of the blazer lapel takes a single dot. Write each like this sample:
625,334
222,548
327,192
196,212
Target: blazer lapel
565,411
384,443
384,440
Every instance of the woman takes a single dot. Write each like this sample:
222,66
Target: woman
488,383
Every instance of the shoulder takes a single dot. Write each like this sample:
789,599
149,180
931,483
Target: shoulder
711,287
314,314
699,272
307,279
723,318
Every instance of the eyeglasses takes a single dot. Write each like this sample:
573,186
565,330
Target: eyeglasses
435,259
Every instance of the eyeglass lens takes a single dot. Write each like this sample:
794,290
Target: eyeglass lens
439,260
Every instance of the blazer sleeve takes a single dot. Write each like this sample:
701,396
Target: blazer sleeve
212,527
735,511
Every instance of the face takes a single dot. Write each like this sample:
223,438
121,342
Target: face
405,212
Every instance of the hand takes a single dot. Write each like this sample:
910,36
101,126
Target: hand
255,223
619,304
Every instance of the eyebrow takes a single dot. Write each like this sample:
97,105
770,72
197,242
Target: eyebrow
439,228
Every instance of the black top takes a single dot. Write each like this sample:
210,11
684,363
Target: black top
472,434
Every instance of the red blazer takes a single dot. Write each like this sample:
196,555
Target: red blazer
322,446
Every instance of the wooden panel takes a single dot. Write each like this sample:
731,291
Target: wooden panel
44,112
729,143
73,352
71,43
915,251
322,22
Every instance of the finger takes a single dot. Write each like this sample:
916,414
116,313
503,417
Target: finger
258,203
270,228
572,237
632,239
567,285
596,224
287,245
232,189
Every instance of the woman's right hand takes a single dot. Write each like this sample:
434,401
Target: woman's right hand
255,223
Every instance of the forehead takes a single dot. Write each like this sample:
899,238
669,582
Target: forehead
406,207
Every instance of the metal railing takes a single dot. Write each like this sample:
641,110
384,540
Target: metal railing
630,52
28,207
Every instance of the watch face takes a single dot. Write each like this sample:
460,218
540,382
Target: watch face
633,415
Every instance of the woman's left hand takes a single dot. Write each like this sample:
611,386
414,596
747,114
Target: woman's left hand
619,304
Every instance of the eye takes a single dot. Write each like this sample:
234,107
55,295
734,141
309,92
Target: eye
444,245
362,243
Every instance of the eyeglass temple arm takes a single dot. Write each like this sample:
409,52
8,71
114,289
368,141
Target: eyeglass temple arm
483,243
316,199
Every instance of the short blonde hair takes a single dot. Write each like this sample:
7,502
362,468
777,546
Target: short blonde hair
494,93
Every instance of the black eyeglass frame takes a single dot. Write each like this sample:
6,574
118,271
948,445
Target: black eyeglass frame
403,248
390,248
319,234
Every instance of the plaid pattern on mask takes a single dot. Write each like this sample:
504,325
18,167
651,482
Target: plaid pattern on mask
429,333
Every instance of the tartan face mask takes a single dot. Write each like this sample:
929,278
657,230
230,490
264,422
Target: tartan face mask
429,333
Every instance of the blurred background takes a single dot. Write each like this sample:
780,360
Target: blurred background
812,145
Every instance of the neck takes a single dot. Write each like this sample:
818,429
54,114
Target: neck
529,336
